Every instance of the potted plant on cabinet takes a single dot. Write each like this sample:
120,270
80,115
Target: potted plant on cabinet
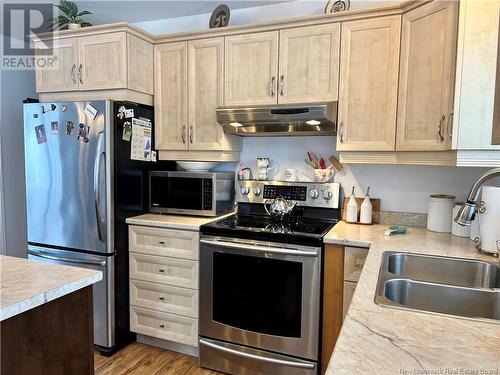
70,17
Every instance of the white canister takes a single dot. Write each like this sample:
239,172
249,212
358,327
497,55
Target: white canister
440,212
489,220
457,229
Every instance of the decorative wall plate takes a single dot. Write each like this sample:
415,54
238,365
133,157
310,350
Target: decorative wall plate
334,6
220,17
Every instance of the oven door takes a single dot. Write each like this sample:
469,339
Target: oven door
263,295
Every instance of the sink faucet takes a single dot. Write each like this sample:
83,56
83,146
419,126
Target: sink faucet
468,210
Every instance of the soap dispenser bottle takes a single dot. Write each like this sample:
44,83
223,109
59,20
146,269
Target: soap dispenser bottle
366,209
352,209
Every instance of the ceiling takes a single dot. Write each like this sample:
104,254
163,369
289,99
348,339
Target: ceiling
109,11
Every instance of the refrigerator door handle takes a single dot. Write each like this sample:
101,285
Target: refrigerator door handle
67,260
101,223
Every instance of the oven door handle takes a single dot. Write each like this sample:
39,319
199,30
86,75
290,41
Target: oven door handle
262,249
275,361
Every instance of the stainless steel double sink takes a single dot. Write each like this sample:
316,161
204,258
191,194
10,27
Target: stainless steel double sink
442,285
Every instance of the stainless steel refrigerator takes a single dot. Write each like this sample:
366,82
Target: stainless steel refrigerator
81,185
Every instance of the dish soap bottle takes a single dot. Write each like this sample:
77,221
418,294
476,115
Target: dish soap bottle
352,209
366,209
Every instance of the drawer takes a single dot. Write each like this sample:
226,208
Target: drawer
349,288
163,270
164,298
354,260
164,326
164,242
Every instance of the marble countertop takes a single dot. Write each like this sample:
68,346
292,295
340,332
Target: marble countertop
381,340
26,284
173,221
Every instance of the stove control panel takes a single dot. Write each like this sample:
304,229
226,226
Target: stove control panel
307,194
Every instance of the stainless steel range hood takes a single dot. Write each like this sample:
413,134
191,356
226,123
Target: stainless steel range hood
310,119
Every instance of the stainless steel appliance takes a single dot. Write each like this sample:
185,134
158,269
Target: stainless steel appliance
80,187
310,119
260,281
191,193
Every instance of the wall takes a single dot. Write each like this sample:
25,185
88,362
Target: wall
401,188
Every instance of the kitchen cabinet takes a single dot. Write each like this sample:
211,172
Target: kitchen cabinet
342,269
164,283
476,113
251,69
170,71
309,64
94,61
426,79
368,84
64,76
188,88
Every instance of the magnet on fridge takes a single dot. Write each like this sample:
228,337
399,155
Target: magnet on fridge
63,108
40,134
35,115
127,131
153,156
91,111
69,127
83,133
54,128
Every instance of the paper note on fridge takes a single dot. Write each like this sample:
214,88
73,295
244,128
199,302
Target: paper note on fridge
140,146
90,111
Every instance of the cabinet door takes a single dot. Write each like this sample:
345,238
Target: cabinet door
426,81
309,64
369,84
63,76
171,96
102,61
251,69
205,85
349,288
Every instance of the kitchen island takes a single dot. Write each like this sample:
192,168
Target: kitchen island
381,340
46,318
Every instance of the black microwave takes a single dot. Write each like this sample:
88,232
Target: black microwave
191,193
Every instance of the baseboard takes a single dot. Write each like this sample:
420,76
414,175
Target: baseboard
169,345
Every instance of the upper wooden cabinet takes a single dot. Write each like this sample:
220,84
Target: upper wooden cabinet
98,61
309,64
251,69
64,77
369,84
188,88
426,80
171,132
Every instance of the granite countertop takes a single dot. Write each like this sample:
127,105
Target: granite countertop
26,284
381,340
173,221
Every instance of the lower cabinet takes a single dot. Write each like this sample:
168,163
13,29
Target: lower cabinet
164,284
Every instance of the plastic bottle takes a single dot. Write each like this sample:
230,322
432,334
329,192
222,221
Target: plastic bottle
352,209
366,209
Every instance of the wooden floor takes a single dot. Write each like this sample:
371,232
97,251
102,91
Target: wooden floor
143,359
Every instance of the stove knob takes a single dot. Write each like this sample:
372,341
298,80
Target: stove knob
314,194
327,194
257,191
245,190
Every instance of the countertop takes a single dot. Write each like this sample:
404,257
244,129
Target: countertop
26,284
381,340
173,221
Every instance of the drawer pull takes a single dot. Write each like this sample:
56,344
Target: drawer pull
162,325
162,270
161,298
161,242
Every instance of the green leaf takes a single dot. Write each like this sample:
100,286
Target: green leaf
84,24
85,12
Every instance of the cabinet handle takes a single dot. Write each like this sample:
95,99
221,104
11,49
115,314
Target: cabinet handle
73,69
161,242
440,128
162,270
341,132
271,88
183,134
191,134
80,78
161,298
282,85
162,325
449,125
